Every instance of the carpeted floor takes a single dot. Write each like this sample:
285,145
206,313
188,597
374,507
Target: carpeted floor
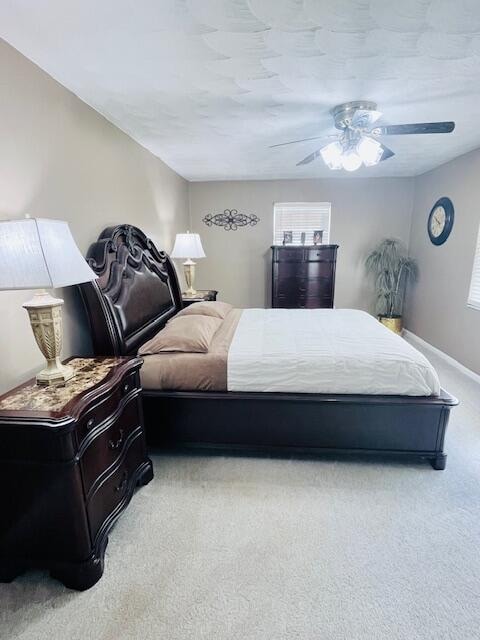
250,548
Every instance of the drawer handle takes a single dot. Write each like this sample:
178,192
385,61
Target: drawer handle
126,387
90,423
123,482
114,445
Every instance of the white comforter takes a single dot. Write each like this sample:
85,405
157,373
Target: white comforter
324,351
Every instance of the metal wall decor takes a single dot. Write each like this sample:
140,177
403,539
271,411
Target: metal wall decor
231,220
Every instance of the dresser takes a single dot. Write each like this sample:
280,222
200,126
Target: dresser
70,459
303,277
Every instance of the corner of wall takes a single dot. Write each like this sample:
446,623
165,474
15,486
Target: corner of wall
409,292
189,204
413,187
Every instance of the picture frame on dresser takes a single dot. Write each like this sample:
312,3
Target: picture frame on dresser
135,295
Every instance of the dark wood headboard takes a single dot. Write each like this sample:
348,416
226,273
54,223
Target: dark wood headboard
136,293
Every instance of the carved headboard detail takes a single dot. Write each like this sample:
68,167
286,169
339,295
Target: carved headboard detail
136,293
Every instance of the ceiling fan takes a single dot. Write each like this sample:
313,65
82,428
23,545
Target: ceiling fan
357,143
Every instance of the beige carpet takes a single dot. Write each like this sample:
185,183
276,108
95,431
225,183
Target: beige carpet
244,549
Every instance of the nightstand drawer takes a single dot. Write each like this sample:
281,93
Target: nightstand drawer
98,414
107,444
116,488
209,295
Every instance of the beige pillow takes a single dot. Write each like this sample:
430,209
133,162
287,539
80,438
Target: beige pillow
190,334
213,309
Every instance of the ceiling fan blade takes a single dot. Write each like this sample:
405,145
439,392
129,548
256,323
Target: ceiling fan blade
419,127
282,144
309,158
387,153
363,118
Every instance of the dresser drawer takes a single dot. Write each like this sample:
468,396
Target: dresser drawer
116,488
320,253
285,301
288,254
310,270
302,301
309,286
315,302
97,414
99,452
290,269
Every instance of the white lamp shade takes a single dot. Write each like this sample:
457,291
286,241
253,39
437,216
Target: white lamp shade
38,253
188,245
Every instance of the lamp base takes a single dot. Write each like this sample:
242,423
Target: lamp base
189,270
55,373
45,314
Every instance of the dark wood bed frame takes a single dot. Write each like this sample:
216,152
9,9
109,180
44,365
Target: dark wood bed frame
137,292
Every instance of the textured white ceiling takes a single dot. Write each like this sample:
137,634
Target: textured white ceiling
208,85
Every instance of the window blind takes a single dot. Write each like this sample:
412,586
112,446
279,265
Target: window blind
474,294
299,217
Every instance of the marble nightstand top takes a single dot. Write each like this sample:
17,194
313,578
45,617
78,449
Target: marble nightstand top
32,397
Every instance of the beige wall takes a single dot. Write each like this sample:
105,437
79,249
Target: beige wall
364,211
437,307
61,159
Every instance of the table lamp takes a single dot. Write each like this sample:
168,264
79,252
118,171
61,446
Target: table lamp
188,245
38,253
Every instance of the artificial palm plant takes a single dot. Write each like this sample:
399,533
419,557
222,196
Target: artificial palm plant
391,269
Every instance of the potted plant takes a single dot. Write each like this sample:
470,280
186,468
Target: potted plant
391,269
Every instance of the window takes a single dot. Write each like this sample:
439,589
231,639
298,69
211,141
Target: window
474,294
299,217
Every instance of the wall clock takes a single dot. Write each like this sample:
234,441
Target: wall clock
440,221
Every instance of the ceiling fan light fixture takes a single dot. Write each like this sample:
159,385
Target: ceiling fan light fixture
332,155
369,150
351,161
357,141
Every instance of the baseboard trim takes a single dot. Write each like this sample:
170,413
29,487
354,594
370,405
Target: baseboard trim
451,361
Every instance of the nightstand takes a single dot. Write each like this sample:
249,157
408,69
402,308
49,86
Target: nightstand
200,297
70,459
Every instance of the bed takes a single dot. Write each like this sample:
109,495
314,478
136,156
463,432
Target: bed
137,293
